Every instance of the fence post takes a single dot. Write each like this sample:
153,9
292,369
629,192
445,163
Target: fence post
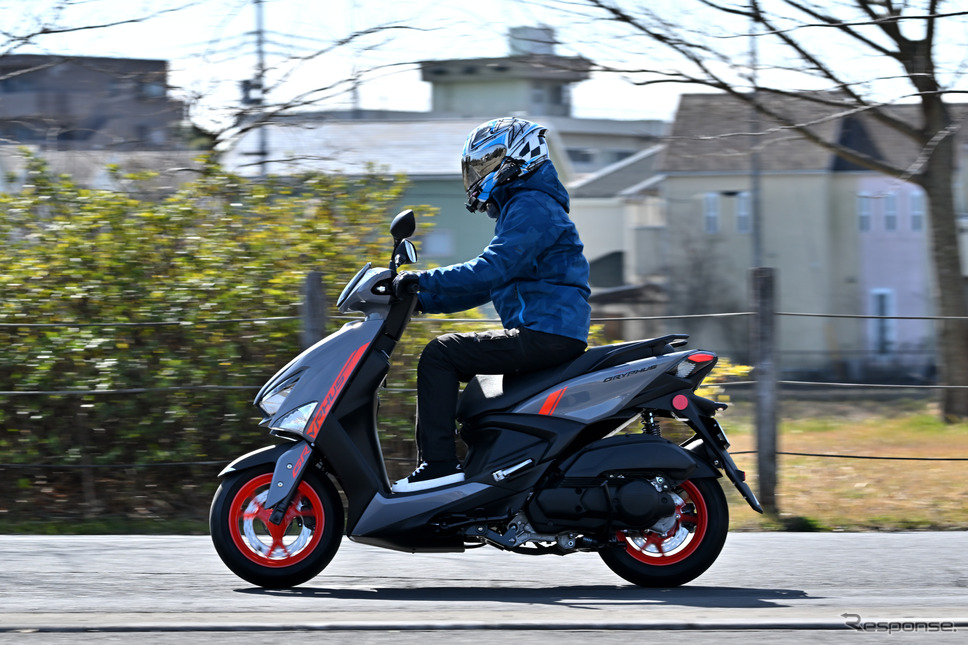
763,352
313,309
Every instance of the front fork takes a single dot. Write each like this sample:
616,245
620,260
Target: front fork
288,472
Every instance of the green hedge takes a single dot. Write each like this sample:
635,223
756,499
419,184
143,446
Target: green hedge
220,248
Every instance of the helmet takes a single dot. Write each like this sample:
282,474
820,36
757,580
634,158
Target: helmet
497,152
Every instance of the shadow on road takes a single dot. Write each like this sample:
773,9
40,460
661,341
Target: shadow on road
577,596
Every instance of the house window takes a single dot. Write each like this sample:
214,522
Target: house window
580,155
615,156
150,90
890,212
13,79
864,212
116,87
917,210
537,95
556,95
156,136
439,243
883,330
710,212
744,215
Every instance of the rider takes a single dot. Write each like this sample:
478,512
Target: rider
533,270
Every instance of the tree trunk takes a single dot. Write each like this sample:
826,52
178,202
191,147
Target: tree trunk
952,351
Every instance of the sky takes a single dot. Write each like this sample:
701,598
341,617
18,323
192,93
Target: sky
211,48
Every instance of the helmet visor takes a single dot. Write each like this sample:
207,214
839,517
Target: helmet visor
477,165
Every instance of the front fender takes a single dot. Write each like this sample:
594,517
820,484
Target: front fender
290,461
266,455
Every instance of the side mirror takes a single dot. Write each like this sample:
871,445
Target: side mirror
403,226
404,254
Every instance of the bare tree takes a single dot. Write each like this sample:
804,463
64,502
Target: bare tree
46,20
910,51
276,58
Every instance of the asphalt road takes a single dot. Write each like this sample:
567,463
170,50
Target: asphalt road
766,586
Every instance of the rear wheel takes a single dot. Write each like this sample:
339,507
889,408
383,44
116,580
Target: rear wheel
678,548
271,555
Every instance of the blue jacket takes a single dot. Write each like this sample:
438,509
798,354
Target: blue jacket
533,270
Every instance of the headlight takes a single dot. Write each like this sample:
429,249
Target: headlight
296,420
272,401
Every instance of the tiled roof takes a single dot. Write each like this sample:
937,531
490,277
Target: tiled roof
711,133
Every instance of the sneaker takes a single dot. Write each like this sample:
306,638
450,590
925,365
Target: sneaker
430,475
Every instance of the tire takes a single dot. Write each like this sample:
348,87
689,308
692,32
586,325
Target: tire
269,555
669,555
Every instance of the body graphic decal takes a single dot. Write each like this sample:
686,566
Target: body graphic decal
312,430
552,402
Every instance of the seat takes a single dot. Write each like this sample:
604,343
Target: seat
494,392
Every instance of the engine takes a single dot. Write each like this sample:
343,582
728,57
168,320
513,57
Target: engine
596,505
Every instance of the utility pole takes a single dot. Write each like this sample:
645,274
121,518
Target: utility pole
763,296
755,201
260,71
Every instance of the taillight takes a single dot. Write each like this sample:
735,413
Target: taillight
692,362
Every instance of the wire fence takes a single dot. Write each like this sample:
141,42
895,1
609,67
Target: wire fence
485,321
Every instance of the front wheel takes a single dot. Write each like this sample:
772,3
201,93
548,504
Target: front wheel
275,556
678,548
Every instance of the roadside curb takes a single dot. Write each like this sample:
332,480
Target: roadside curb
959,624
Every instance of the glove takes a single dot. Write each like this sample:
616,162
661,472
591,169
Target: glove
406,284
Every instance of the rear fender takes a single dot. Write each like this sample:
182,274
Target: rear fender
698,413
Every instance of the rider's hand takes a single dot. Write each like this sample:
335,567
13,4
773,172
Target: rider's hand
405,284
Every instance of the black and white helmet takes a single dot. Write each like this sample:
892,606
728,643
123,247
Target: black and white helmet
497,152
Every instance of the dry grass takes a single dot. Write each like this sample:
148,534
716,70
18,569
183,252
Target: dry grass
833,493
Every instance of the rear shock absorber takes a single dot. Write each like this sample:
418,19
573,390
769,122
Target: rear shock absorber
650,425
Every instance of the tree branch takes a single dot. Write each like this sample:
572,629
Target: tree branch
18,40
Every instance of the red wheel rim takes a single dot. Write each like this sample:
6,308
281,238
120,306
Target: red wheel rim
672,546
275,545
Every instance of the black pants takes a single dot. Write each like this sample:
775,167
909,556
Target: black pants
450,359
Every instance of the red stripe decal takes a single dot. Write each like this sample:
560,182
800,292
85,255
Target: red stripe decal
301,461
552,402
323,410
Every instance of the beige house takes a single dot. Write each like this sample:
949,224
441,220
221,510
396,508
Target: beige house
844,240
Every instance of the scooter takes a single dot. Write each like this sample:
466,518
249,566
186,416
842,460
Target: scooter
551,465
